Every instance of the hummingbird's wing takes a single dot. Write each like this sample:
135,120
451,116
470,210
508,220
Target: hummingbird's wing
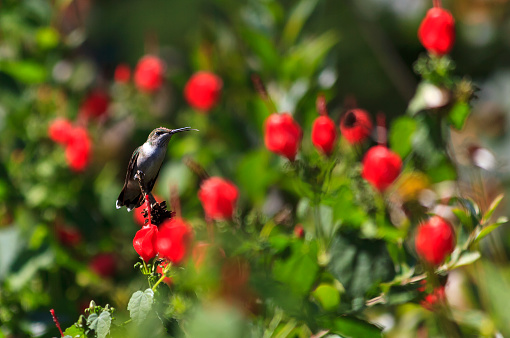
136,201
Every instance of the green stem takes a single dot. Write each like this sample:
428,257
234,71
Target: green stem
157,283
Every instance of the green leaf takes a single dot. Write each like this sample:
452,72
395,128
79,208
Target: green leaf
328,296
298,16
28,72
458,114
464,218
262,46
100,324
140,304
348,326
360,264
490,228
401,135
299,270
492,208
466,258
74,332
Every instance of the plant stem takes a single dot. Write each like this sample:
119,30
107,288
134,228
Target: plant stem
436,3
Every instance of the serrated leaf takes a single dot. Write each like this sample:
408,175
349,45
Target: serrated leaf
74,332
100,324
490,228
492,208
140,304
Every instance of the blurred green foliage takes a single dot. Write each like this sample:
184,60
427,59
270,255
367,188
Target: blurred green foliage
355,264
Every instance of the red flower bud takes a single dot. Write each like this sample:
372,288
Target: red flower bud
356,125
145,242
68,236
149,73
122,73
381,167
159,269
435,239
299,231
103,264
218,197
203,90
324,134
282,135
78,149
60,130
95,104
434,299
437,31
174,240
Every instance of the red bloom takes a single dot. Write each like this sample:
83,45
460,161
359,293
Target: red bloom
122,73
282,135
95,104
145,242
67,235
434,299
149,73
174,240
299,231
159,269
203,90
104,264
324,134
60,130
218,197
435,239
356,125
437,31
79,149
381,167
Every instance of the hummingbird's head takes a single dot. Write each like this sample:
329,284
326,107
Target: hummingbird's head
160,136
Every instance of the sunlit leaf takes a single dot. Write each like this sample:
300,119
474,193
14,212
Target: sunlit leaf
140,304
100,324
490,228
458,114
486,217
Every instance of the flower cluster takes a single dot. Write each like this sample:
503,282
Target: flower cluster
171,240
76,140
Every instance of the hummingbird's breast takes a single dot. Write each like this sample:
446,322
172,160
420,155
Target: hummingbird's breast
150,160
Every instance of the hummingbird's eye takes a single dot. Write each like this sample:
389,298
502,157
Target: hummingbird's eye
158,133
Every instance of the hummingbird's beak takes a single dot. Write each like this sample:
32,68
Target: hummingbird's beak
175,131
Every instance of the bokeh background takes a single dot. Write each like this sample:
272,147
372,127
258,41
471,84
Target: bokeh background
63,242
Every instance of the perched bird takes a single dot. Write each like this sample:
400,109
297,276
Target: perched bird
148,159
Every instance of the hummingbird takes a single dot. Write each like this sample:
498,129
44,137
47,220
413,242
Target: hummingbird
148,159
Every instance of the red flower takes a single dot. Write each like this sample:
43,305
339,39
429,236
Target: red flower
324,134
95,104
434,299
149,73
79,149
145,242
282,135
299,231
159,269
104,264
68,236
174,240
435,239
122,73
356,126
381,167
218,197
60,130
203,90
437,31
